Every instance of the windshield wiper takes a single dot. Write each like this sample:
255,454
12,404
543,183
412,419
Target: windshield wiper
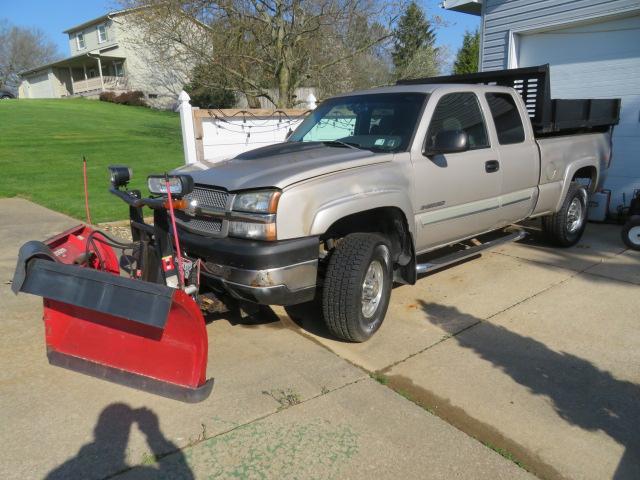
338,143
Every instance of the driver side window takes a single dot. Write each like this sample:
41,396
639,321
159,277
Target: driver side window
459,112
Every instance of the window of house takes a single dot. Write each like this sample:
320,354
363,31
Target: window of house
459,111
506,118
80,40
118,69
102,33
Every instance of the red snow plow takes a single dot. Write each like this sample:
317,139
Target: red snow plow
132,319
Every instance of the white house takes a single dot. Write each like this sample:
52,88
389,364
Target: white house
593,47
108,53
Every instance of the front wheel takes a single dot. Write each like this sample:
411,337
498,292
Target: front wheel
357,286
565,228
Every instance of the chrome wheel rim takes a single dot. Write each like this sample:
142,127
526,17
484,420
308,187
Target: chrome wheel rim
372,288
634,235
575,215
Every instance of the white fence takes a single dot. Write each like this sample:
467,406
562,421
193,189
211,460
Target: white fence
214,135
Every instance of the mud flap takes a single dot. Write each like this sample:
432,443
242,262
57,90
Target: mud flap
132,332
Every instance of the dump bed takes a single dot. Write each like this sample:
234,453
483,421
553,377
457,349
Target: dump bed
548,116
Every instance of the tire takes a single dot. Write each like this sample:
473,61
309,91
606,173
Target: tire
565,227
350,312
631,233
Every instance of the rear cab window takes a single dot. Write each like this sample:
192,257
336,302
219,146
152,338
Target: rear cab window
459,111
506,118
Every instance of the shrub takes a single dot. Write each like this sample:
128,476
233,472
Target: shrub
108,97
135,98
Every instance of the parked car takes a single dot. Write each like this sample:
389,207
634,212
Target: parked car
6,94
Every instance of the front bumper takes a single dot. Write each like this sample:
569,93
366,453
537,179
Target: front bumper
268,273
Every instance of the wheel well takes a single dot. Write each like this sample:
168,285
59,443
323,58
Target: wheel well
389,221
589,173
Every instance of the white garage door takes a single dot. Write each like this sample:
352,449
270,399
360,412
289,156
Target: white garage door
597,60
39,86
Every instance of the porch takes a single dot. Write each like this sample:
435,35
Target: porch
90,74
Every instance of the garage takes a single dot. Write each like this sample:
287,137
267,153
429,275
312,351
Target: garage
599,59
38,85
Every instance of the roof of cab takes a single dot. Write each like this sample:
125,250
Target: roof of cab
428,88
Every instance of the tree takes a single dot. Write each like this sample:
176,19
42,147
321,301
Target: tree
22,49
208,92
414,53
258,46
467,57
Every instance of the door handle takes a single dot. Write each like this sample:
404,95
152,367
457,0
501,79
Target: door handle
491,166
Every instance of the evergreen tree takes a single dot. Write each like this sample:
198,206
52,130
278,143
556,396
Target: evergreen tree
413,34
467,57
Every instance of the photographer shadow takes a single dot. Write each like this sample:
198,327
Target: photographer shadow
105,456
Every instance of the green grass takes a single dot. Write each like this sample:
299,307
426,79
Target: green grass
42,143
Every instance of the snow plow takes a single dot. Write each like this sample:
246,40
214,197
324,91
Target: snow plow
132,319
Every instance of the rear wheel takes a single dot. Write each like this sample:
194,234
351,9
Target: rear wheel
631,233
565,228
357,286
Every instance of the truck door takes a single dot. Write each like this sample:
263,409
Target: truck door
456,195
518,155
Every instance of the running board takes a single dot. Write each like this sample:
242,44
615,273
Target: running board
438,263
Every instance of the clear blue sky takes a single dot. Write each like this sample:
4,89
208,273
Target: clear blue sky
54,16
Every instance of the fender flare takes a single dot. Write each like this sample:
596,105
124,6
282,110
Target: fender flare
571,171
351,204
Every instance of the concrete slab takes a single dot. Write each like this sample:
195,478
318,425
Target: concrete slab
481,287
363,430
625,267
599,242
554,380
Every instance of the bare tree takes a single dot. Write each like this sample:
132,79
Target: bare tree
257,46
22,49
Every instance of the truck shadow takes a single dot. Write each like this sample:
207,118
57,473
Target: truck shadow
105,456
581,394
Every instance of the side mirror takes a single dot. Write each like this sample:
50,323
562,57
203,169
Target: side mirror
448,141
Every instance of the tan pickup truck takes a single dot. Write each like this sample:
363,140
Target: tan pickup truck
372,179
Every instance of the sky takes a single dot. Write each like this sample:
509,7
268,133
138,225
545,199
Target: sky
55,16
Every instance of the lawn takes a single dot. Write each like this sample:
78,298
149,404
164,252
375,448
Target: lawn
42,143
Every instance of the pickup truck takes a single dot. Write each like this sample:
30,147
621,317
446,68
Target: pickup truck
371,180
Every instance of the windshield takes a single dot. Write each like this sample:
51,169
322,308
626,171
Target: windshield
382,122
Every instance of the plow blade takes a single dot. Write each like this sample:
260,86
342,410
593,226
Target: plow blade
132,332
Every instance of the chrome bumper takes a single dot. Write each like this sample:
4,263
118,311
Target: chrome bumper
286,285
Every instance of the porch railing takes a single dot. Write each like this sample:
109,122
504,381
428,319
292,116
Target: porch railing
110,83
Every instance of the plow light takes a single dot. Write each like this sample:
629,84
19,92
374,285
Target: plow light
179,185
120,175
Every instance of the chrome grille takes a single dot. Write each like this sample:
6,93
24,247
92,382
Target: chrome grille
208,197
205,197
208,226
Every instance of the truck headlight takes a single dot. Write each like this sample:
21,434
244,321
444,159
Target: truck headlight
253,215
252,230
179,185
263,201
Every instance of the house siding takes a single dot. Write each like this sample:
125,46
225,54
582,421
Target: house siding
91,38
501,17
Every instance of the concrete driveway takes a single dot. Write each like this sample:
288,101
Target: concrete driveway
526,355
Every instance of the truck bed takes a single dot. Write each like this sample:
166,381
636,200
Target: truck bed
559,152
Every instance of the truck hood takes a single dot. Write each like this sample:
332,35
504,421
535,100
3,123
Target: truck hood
281,165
